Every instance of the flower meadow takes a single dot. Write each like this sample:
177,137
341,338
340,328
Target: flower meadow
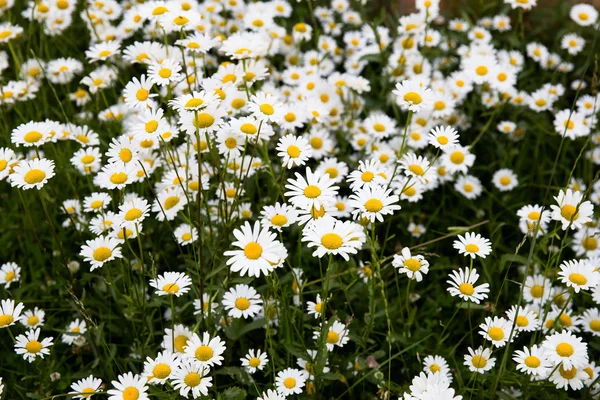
229,199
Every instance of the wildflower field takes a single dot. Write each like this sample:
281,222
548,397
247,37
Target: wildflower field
316,199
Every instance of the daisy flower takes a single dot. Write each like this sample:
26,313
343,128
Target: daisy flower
294,151
9,272
116,176
565,349
137,93
331,236
169,202
590,321
437,364
265,107
206,351
413,96
479,360
100,251
443,137
271,394
242,301
278,216
315,308
133,212
32,174
254,360
186,234
526,319
571,209
203,307
175,340
530,216
564,378
259,251
578,274
311,192
505,180
496,330
161,368
192,377
290,381
129,386
413,266
417,167
30,347
85,388
469,186
583,14
473,245
74,330
532,361
102,51
370,173
165,72
30,134
171,283
337,335
462,284
457,159
9,314
373,202
33,319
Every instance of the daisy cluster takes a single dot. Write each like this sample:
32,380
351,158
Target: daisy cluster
218,169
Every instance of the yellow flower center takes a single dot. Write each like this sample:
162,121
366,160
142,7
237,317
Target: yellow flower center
505,180
496,333
373,205
466,288
481,70
316,142
101,254
332,337
412,264
578,279
171,288
254,362
186,237
416,169
279,220
367,176
567,373
180,342
34,176
413,97
203,120
192,379
267,109
293,151
532,362
171,202
6,319
472,248
32,137
331,241
118,178
379,127
595,325
242,303
590,243
253,250
522,321
33,320
457,157
478,361
33,347
442,140
161,371
193,103
565,349
204,353
87,159
133,214
164,73
534,215
289,383
312,191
